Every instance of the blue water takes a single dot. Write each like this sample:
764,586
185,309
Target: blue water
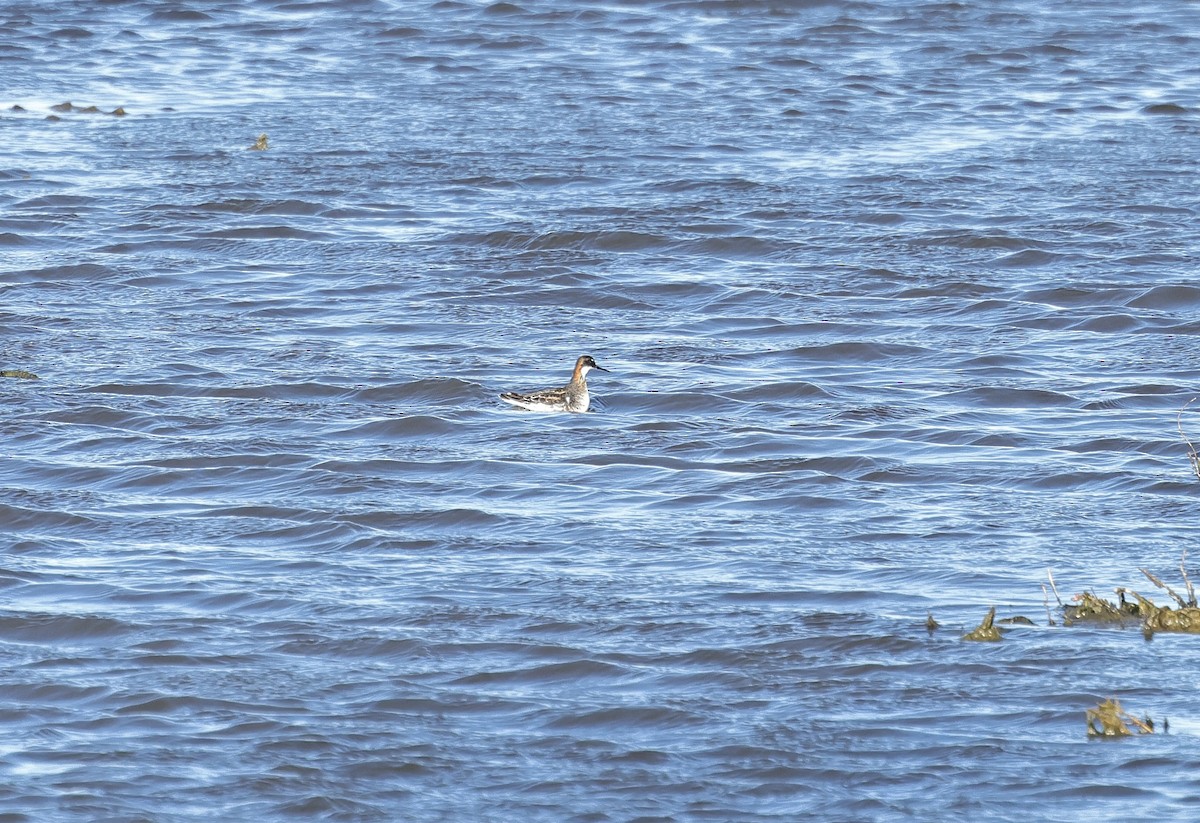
900,309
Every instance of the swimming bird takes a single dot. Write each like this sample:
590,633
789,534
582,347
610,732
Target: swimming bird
572,397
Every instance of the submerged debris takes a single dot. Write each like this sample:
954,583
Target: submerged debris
260,144
931,625
1110,720
21,373
68,106
1016,620
985,631
1088,608
1164,618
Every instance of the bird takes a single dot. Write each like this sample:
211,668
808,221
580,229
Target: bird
572,397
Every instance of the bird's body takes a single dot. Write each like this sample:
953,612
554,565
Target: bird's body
572,397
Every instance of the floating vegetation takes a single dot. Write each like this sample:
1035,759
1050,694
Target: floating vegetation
1165,619
1109,720
260,144
1089,608
1130,609
21,373
985,631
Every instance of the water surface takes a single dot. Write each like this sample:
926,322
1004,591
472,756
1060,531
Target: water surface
900,308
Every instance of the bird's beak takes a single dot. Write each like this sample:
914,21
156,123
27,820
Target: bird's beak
601,368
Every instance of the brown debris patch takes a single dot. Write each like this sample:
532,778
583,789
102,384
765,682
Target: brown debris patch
985,631
1109,720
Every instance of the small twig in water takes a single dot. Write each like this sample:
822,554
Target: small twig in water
1193,457
1054,588
1046,600
1162,585
1191,591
